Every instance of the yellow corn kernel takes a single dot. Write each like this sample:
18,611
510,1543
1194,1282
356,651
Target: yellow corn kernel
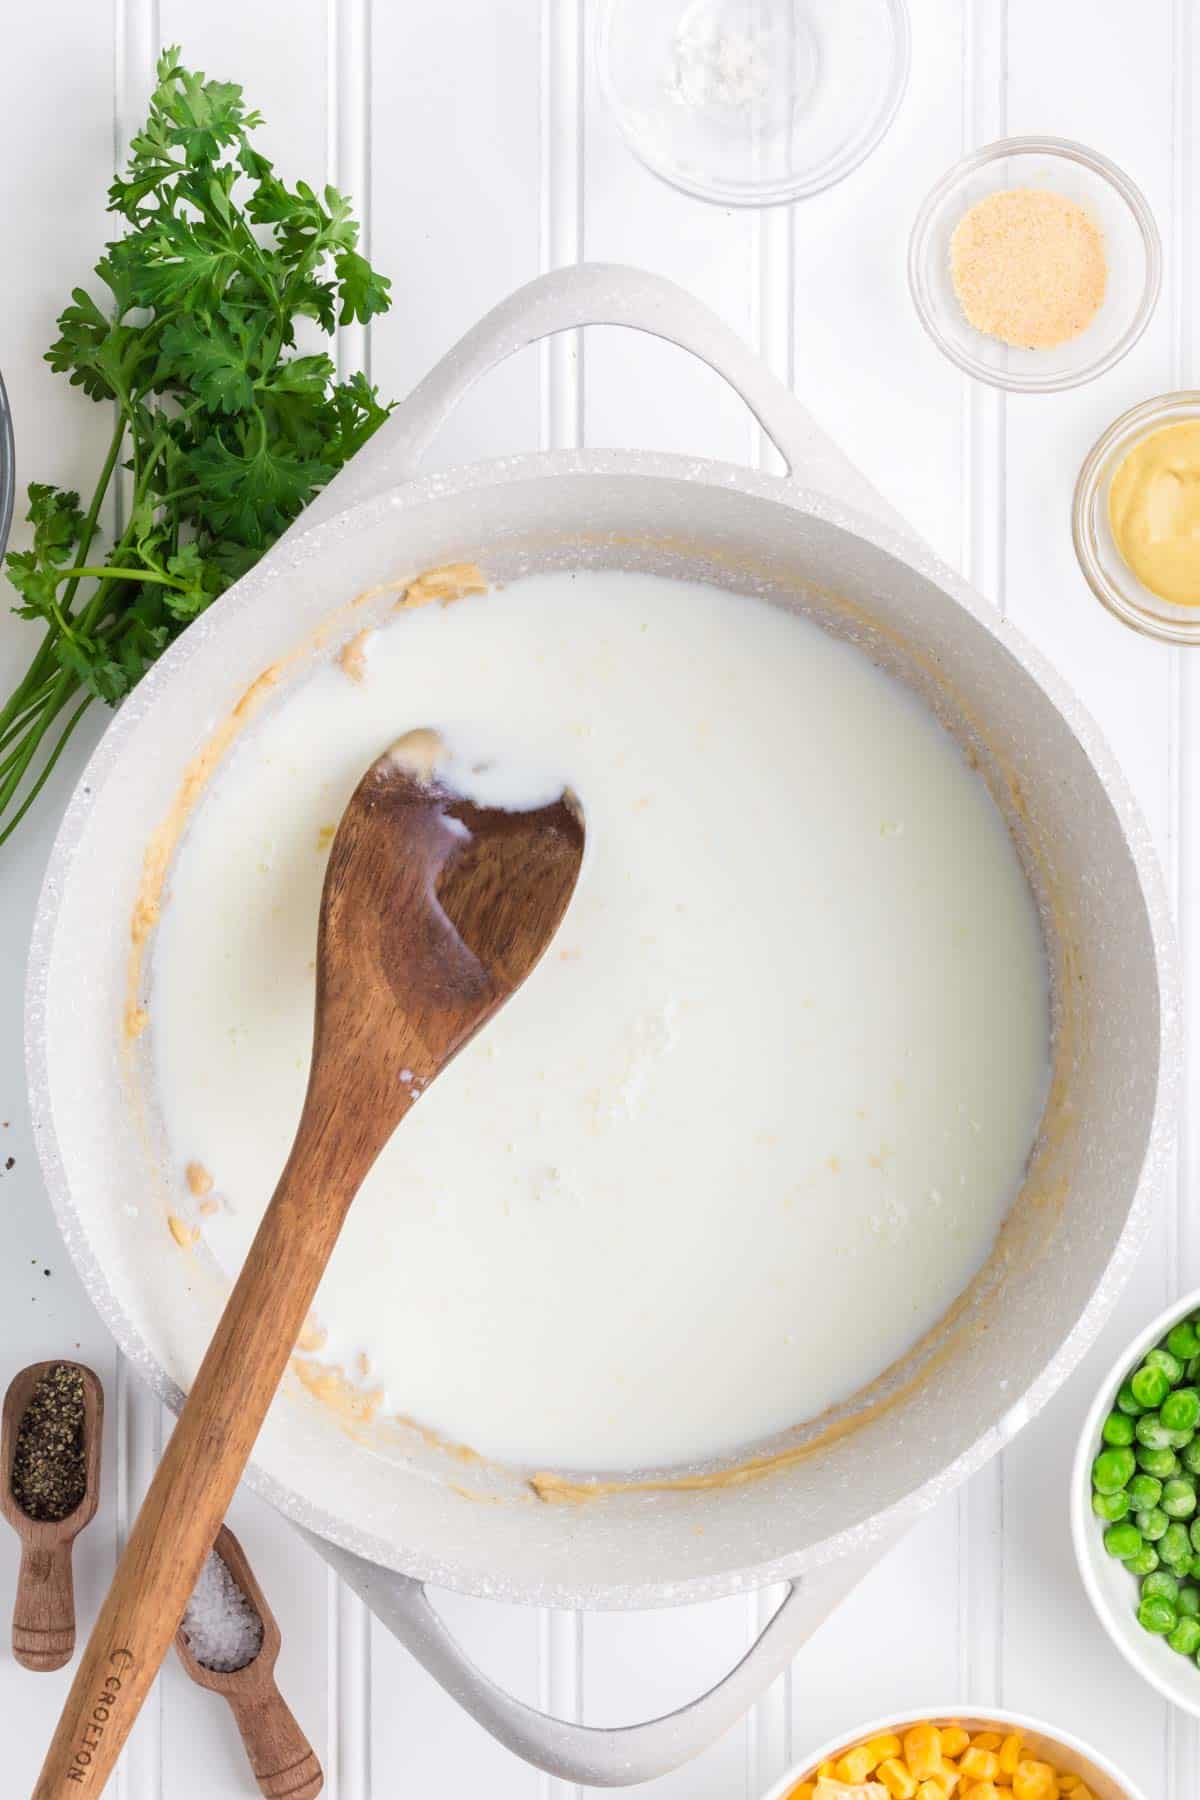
883,1747
947,1778
827,1772
855,1766
954,1739
1068,1783
980,1765
1010,1753
923,1750
896,1779
929,1790
804,1791
982,1790
986,1740
1034,1781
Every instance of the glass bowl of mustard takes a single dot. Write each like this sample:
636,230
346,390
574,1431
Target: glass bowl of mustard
1135,519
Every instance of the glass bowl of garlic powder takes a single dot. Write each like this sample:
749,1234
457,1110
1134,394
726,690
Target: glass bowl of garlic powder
1035,264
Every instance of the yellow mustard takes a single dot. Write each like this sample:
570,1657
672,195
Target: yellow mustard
1154,512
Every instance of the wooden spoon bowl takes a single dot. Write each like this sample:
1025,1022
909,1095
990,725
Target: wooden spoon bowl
43,1630
280,1755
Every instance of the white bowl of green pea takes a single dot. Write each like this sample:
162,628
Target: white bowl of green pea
1135,1503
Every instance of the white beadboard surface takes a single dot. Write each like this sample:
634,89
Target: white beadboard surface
474,139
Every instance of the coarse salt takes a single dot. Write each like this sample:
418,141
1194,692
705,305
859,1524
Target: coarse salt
223,1630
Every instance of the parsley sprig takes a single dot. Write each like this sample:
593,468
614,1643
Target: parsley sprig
226,430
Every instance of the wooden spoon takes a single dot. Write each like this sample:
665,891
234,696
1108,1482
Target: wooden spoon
280,1754
434,911
43,1630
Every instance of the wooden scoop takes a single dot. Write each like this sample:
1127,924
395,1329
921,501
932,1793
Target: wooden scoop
43,1631
434,911
280,1754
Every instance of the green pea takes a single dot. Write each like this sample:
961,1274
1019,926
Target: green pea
1188,1603
1193,1368
1118,1429
1144,1492
1183,1342
1152,1524
1150,1386
1161,1586
1127,1401
1150,1431
1179,1499
1194,1571
1114,1506
1158,1616
1162,1359
1186,1637
1123,1540
1145,1562
1174,1547
1189,1456
1180,1411
1162,1464
1194,1534
1111,1470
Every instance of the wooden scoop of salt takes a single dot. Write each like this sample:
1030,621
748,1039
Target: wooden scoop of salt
229,1642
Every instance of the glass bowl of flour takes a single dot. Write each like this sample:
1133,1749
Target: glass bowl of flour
753,102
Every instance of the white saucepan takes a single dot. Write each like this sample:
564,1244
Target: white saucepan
818,540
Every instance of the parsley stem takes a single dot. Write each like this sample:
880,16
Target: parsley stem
43,665
108,573
18,761
45,771
31,705
93,513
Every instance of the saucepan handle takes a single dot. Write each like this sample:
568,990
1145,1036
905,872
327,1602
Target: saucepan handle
598,294
596,1756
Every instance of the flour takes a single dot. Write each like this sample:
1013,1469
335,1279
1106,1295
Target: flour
716,64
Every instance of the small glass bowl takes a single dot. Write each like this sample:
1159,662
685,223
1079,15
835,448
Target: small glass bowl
1107,574
753,102
1132,247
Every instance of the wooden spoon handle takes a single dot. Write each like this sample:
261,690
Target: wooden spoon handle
207,1452
43,1633
280,1755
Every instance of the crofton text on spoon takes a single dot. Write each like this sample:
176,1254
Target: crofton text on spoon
434,911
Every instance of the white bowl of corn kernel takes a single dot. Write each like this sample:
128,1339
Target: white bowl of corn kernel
956,1755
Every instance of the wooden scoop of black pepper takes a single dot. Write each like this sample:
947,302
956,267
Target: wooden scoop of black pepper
50,1462
49,1469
